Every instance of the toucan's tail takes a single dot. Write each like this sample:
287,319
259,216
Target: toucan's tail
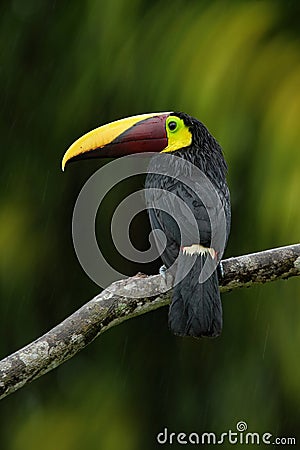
196,308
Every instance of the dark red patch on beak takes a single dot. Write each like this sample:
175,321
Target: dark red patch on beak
150,135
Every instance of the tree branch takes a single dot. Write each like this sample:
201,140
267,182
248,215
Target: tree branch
126,299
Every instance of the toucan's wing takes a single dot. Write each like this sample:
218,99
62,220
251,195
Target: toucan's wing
182,218
162,221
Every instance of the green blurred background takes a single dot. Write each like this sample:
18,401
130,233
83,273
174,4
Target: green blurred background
67,67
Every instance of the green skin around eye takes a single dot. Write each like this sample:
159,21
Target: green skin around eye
179,123
180,137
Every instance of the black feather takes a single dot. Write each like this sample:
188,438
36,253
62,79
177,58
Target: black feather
196,307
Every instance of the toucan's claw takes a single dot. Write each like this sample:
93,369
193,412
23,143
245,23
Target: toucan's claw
163,272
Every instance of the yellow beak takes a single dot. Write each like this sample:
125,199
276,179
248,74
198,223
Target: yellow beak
142,133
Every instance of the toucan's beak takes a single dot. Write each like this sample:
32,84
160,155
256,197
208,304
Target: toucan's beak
137,134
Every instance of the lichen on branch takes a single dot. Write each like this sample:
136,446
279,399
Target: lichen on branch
128,298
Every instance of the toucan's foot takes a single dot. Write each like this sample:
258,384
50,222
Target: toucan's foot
220,270
140,275
163,272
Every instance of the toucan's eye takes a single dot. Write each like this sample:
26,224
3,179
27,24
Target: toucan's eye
172,125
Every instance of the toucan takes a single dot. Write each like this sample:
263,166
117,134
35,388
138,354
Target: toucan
195,308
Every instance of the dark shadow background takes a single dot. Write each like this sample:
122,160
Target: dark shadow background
67,67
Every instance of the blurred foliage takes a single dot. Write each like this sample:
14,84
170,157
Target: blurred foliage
68,67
